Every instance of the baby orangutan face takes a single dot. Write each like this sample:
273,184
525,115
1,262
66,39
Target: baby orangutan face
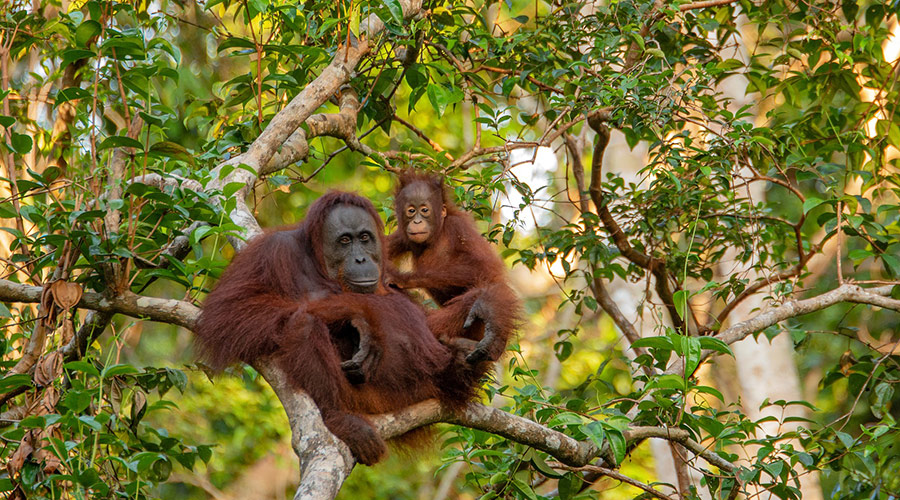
423,212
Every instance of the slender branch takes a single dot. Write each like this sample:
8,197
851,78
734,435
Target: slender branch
603,471
437,147
764,282
681,437
94,325
577,171
705,4
611,308
656,266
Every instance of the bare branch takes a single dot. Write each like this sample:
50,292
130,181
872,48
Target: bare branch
603,471
847,292
681,437
172,311
705,4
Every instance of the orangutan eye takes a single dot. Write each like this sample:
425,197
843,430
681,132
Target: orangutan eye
424,210
345,240
410,211
364,237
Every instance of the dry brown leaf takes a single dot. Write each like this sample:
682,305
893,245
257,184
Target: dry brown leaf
132,334
67,331
48,368
47,403
45,454
17,460
115,394
138,406
46,297
66,294
51,397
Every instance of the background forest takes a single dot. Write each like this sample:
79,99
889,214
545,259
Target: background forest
698,203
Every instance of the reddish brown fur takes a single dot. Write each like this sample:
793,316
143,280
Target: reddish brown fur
276,300
456,265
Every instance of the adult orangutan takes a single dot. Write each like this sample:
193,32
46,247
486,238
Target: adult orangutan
454,263
312,299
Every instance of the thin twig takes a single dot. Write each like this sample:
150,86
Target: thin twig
603,471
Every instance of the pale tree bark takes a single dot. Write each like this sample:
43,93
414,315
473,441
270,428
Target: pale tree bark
765,370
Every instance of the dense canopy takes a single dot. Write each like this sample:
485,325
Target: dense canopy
697,202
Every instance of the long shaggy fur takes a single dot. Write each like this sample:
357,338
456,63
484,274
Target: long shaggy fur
276,300
456,266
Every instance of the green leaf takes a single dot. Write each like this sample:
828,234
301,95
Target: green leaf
661,342
231,188
441,97
617,444
234,41
121,369
416,76
892,264
537,461
396,10
594,431
117,141
11,382
680,298
69,56
569,486
524,489
82,366
565,418
692,353
437,96
86,31
715,344
859,254
69,94
811,203
670,382
21,143
90,422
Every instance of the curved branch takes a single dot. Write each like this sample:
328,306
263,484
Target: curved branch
879,296
682,437
655,265
848,292
603,471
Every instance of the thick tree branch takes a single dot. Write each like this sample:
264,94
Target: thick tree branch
341,125
325,461
176,312
848,292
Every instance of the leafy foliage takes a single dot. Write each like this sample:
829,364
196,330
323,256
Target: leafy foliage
771,137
